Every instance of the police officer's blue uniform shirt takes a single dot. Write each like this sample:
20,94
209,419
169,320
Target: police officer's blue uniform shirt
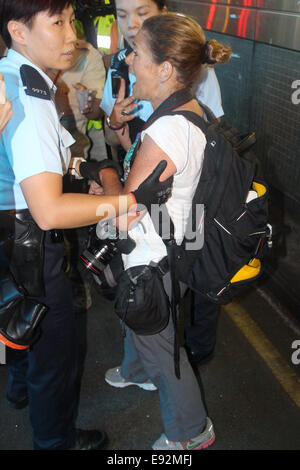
33,141
144,109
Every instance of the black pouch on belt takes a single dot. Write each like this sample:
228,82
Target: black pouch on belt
24,250
20,316
141,301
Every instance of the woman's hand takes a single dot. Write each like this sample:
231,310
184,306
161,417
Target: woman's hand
5,106
96,189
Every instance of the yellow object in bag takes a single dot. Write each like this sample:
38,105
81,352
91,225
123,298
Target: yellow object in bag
249,271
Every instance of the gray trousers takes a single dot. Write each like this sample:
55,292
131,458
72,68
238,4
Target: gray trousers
151,357
97,151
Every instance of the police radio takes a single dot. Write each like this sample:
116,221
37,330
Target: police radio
120,70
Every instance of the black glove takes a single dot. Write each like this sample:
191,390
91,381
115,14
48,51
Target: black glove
153,191
90,170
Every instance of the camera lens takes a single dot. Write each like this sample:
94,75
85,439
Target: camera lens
103,244
98,256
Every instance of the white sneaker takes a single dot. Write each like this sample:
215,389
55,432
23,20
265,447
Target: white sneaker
113,377
205,439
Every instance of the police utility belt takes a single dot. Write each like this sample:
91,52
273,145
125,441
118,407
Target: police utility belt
21,281
22,243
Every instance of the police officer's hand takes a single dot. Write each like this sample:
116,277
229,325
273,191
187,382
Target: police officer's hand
96,189
5,106
153,191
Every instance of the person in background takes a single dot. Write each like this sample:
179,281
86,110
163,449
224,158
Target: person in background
96,23
96,31
78,94
105,44
130,17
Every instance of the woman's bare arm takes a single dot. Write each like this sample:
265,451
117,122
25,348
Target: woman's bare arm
146,160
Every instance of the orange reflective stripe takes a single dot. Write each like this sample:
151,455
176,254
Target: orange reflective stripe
12,345
114,38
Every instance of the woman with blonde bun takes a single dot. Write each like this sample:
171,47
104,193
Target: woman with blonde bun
169,51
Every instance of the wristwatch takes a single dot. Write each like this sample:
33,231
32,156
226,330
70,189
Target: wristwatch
114,128
73,171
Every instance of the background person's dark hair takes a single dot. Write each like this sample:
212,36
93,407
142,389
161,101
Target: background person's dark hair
25,11
180,40
161,4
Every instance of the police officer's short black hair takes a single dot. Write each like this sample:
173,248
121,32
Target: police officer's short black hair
25,10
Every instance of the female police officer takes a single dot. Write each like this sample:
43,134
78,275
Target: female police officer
34,155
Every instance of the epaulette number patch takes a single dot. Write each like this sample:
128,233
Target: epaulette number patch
35,84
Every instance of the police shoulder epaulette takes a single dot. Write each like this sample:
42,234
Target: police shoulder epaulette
35,84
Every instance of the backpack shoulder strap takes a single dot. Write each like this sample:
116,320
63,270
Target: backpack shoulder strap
216,165
178,98
192,117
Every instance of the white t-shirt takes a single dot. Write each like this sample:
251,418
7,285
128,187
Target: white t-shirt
207,90
184,143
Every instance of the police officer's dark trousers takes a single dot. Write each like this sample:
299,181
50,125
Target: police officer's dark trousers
48,372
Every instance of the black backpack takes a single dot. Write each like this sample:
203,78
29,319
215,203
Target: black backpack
235,231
